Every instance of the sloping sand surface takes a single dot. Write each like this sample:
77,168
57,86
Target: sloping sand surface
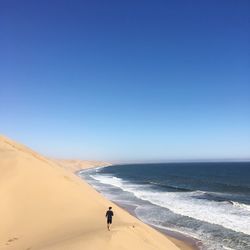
76,165
43,206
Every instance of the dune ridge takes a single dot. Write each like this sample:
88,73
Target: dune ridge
76,165
43,206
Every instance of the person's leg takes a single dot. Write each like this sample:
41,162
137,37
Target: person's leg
109,221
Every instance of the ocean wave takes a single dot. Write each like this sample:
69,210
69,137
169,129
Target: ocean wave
108,179
241,205
231,215
224,214
171,187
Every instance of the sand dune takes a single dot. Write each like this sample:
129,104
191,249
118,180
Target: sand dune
75,165
43,206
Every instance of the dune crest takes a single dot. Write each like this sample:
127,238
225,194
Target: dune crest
76,165
43,206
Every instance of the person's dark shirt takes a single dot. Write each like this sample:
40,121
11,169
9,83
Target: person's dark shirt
109,214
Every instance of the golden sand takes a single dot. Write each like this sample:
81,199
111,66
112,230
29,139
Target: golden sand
44,206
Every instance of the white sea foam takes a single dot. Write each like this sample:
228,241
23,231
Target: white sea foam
240,205
108,179
234,216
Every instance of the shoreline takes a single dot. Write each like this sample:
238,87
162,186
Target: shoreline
64,212
182,241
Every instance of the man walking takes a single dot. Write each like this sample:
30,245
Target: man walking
109,215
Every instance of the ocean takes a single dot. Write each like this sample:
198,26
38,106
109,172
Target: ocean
207,201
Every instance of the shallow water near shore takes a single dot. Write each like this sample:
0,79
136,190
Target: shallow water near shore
206,201
184,242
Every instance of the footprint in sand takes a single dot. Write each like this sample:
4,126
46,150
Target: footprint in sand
11,240
67,178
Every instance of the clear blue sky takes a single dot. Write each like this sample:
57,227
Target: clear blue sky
126,80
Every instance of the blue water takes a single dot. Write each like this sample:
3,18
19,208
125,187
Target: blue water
208,201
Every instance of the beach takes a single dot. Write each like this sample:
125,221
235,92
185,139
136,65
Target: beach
203,203
45,206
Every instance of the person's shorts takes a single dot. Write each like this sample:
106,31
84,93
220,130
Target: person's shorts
109,221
